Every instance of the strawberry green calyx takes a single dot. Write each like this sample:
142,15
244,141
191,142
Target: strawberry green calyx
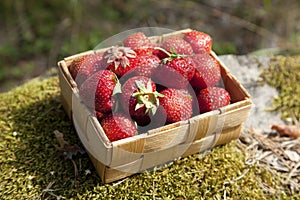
119,56
146,97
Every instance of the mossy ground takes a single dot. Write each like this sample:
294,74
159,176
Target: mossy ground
284,75
30,167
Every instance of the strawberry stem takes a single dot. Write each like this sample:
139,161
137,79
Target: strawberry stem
170,55
163,50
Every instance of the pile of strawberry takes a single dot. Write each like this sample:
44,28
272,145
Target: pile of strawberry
140,86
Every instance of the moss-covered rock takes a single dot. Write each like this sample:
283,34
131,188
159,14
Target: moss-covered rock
284,74
30,167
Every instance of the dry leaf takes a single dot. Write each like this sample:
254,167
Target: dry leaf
292,131
60,138
65,149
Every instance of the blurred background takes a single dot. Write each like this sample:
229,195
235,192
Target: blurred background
34,35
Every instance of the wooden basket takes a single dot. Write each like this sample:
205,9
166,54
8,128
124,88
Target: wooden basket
119,159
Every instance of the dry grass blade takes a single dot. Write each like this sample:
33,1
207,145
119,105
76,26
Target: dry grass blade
237,178
293,171
50,191
267,144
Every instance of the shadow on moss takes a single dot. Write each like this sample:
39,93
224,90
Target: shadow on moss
29,141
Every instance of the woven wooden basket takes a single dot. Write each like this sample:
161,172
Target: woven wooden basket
119,159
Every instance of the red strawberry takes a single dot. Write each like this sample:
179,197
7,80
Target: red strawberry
176,45
83,67
177,104
99,115
140,98
96,92
207,71
175,71
144,65
200,42
119,60
75,66
212,98
140,43
118,126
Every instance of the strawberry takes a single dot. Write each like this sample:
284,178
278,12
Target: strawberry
200,42
207,71
119,60
212,98
118,126
75,66
177,45
97,91
83,67
177,104
144,65
175,71
99,115
140,98
140,43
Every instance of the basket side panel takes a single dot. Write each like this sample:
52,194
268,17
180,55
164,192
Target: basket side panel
100,167
235,89
117,173
127,152
160,157
236,117
167,138
66,90
229,135
203,125
211,141
95,143
80,115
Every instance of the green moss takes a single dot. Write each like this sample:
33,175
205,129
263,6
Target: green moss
284,74
31,168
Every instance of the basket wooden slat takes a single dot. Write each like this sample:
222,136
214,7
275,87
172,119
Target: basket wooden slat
229,135
131,151
166,138
203,125
66,89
